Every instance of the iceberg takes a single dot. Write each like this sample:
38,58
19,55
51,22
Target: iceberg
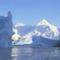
6,30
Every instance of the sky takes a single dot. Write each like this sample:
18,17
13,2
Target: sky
32,11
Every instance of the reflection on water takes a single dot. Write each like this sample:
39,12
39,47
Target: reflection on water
30,53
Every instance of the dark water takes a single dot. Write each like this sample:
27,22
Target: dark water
30,53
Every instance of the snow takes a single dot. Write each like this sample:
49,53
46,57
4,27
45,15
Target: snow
19,24
53,28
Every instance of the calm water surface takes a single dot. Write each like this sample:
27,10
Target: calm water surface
30,53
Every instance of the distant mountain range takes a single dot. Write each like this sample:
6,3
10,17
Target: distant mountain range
42,29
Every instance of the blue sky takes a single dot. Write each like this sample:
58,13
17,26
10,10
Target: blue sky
32,11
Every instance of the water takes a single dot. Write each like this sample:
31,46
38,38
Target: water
30,53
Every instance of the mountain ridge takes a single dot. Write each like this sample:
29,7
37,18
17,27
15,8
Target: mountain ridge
42,28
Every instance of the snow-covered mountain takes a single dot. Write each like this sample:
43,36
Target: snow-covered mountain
18,24
47,30
42,28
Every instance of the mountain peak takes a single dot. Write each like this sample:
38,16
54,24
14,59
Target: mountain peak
43,22
52,27
19,24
